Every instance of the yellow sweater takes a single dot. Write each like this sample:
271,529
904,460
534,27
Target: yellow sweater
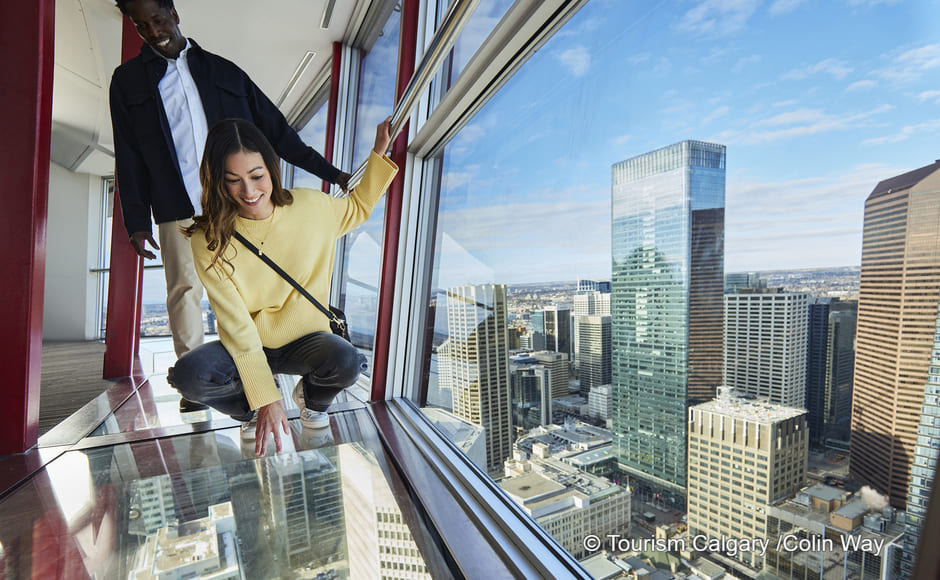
255,307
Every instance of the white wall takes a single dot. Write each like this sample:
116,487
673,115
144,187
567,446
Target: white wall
72,231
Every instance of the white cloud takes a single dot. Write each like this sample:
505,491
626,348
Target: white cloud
716,114
576,59
907,132
620,140
662,67
810,222
799,123
792,117
514,238
454,179
785,6
718,17
469,134
837,68
862,85
929,95
715,54
639,58
870,3
911,64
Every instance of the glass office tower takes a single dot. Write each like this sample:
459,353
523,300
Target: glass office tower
666,305
924,464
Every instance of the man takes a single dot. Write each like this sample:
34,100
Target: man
162,103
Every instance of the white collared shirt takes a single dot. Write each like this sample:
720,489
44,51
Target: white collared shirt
187,120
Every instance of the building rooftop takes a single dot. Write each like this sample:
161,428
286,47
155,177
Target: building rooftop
531,486
904,181
707,567
853,509
730,404
824,492
815,520
591,457
600,567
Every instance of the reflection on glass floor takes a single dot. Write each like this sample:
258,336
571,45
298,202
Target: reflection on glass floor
201,505
156,493
129,487
154,404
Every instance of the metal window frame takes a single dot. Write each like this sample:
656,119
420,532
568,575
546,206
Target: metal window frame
487,533
523,29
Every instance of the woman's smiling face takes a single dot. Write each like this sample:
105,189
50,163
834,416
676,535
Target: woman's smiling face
248,182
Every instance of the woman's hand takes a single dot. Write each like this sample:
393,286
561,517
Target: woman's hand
383,136
270,417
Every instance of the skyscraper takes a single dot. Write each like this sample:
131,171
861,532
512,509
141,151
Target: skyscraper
557,365
591,325
897,310
830,357
531,394
591,302
666,305
743,456
555,322
479,364
593,348
765,345
923,470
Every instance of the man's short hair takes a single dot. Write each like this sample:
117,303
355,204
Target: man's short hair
122,4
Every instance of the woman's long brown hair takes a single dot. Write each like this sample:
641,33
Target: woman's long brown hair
219,210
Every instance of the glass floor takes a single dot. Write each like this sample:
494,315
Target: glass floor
155,493
202,505
130,488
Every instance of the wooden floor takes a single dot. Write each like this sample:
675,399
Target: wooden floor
71,376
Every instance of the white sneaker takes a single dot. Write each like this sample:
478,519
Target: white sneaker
308,418
314,419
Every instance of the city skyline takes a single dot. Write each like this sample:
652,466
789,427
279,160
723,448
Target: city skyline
810,127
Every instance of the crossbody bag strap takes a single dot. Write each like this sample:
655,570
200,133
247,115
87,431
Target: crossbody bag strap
254,249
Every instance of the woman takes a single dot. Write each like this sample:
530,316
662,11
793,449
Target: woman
265,325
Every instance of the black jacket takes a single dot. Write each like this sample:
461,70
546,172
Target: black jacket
147,169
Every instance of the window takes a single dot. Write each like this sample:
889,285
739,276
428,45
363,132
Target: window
313,133
104,254
363,246
523,197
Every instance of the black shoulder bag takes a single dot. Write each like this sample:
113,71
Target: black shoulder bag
336,316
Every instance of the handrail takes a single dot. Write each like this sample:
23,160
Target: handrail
454,21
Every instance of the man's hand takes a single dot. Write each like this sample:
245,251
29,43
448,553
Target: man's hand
139,242
342,180
270,417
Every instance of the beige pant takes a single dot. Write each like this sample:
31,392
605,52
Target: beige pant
183,288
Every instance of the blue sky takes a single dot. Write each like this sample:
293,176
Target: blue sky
816,103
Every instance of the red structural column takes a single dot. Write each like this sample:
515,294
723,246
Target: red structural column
27,36
407,47
331,108
126,277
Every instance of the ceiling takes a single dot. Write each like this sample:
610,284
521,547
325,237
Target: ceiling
269,40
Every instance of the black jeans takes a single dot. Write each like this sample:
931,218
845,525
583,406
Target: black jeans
327,363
